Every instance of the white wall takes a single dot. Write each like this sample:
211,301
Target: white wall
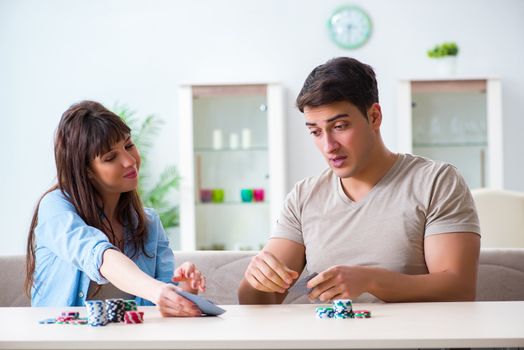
53,53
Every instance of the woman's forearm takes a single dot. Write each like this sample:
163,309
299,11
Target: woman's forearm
124,274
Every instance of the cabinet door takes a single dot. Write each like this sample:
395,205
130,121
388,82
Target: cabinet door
231,184
454,121
451,126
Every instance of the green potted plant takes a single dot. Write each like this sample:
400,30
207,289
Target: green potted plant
445,54
157,193
444,50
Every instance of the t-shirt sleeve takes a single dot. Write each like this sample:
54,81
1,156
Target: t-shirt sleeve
451,207
289,225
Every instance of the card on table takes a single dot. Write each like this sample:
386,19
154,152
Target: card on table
206,306
300,287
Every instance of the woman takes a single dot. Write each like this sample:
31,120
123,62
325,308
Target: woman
90,237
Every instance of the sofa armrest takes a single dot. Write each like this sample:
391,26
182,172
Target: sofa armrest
12,275
501,274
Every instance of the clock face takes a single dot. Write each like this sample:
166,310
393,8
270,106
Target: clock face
349,27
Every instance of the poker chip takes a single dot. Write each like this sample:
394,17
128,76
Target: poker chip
132,317
130,305
343,308
78,321
64,318
343,315
47,321
72,314
96,313
342,305
115,309
362,314
324,312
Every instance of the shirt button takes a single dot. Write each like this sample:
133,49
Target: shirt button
80,295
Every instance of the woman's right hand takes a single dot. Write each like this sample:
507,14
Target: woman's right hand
170,304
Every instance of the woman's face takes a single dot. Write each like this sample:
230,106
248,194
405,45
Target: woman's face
116,171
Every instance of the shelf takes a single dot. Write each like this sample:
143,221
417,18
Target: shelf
230,203
227,150
449,86
449,144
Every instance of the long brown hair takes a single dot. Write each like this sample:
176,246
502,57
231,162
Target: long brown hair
86,130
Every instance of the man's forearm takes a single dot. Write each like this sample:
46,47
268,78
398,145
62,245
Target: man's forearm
248,295
392,286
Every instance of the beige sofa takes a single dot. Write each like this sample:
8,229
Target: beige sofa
501,275
501,215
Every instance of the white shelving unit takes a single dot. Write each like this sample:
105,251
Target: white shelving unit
457,120
217,155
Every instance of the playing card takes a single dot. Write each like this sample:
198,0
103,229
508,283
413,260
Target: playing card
206,306
300,287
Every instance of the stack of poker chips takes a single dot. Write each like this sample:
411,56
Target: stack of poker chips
115,309
100,313
362,314
131,317
67,317
343,308
96,313
324,312
130,305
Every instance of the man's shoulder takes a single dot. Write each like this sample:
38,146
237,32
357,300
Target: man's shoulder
418,165
325,178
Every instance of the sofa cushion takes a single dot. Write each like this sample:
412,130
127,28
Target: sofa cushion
501,275
223,270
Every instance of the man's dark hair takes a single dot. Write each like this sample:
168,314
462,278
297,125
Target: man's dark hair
340,79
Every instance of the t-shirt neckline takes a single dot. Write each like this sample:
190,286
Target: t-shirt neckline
380,184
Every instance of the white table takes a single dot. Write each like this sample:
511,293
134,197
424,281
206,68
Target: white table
403,325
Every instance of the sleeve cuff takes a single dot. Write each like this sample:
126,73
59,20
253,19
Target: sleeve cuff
97,257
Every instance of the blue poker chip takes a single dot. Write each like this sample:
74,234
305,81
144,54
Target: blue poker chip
48,321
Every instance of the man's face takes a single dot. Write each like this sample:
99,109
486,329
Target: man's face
344,136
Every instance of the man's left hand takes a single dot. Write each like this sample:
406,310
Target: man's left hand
340,282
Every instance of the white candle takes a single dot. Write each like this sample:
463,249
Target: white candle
217,139
246,138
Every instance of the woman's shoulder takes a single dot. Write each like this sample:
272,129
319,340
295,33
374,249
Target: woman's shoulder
56,199
152,217
54,204
151,213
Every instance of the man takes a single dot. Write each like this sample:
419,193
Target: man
376,224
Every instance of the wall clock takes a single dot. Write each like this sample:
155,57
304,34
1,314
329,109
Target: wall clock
349,27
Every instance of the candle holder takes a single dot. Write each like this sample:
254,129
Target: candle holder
258,194
217,195
246,194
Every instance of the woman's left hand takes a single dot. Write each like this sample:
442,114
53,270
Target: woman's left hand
191,280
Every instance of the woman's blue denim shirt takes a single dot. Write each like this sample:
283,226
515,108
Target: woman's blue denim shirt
69,253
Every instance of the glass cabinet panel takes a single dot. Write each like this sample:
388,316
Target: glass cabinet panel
451,126
456,121
231,182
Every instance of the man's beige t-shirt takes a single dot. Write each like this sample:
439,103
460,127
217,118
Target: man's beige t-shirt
416,198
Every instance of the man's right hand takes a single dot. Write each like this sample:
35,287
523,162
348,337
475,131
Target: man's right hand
267,274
